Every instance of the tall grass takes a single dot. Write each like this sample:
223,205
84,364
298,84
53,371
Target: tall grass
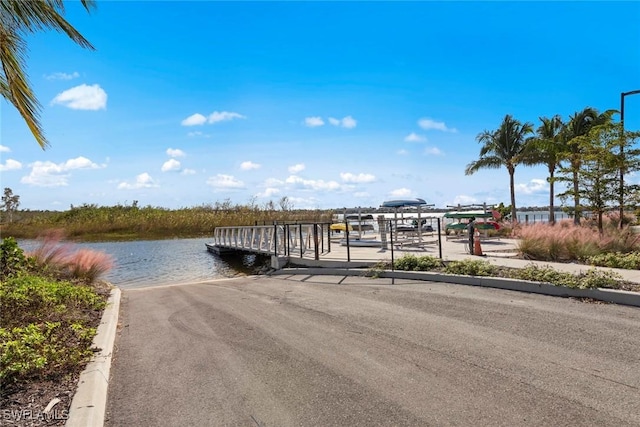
55,257
565,241
91,222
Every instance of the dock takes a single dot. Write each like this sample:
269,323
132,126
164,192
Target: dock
316,245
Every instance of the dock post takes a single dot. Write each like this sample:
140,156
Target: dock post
301,239
439,239
382,227
315,241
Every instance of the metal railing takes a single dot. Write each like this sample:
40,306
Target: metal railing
278,239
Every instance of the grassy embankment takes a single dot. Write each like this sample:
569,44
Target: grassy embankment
114,223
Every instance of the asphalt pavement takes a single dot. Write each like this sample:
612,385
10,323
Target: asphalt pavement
304,350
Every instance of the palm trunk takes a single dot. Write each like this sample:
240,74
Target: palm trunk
552,217
514,217
576,199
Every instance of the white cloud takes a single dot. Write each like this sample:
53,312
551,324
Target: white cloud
296,168
194,120
62,76
414,137
402,152
429,124
79,163
171,165
224,116
359,179
215,117
175,152
273,182
222,182
10,165
349,122
188,172
143,180
4,149
534,186
248,165
198,133
400,192
463,199
434,151
311,184
313,122
83,97
49,174
269,192
346,122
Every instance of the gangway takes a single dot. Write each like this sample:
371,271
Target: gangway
280,240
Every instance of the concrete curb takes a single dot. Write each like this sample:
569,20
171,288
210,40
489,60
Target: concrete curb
600,294
89,404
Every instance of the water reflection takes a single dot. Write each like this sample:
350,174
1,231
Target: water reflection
161,262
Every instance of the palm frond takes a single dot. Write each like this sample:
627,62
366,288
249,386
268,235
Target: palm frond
18,18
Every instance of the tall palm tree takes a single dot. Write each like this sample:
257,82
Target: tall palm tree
579,125
18,18
546,148
504,147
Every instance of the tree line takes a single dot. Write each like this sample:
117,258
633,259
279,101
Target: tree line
588,152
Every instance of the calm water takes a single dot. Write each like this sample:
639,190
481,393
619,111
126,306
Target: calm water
161,262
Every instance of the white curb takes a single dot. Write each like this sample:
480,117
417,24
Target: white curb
89,404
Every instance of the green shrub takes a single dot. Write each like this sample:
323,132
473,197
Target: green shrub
43,350
31,299
547,275
413,263
407,263
629,261
470,268
12,259
428,263
599,279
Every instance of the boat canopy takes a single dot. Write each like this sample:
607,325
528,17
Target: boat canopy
470,214
402,203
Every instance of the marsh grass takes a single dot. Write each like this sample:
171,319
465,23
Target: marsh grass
91,222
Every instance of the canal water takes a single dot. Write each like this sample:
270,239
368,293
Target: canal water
162,262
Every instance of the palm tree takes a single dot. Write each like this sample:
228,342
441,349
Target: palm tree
18,18
579,125
504,147
546,148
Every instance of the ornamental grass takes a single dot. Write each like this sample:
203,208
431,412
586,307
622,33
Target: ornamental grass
564,241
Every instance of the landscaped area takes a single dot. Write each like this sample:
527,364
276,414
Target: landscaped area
52,301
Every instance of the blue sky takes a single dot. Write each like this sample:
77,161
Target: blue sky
330,104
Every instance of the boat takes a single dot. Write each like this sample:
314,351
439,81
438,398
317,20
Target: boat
485,220
370,243
357,223
401,203
340,226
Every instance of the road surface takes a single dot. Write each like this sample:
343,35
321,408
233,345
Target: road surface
348,351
